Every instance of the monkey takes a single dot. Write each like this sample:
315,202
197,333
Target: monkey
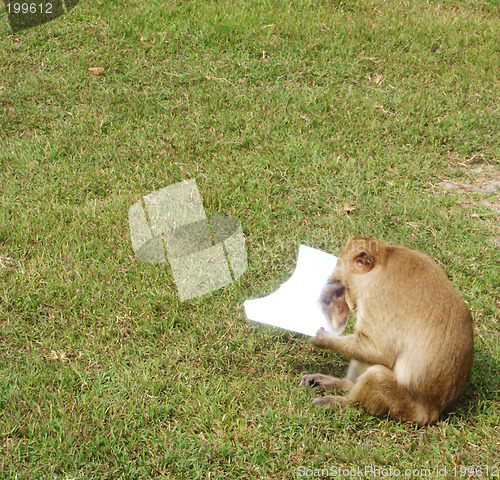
412,347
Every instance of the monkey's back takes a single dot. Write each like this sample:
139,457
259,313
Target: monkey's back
429,326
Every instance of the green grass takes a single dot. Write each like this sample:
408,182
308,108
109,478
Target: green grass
282,112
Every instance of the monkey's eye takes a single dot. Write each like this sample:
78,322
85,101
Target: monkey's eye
338,293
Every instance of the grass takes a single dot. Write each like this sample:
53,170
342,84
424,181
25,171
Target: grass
282,112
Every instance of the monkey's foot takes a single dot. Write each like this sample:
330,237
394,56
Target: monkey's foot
318,381
325,382
333,401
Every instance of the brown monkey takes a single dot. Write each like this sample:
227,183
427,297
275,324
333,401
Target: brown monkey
412,347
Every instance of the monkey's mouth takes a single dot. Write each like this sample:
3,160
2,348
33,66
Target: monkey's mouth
339,327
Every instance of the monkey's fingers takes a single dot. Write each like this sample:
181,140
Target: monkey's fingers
307,381
322,339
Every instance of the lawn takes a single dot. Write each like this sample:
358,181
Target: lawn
283,112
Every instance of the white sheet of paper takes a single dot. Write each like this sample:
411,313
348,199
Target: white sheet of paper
295,306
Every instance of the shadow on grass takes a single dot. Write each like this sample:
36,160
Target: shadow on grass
24,15
484,382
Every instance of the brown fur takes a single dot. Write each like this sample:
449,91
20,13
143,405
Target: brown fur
412,347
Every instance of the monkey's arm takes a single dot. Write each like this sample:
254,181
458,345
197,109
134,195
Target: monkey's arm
357,346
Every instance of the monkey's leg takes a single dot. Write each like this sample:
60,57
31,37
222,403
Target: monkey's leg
356,346
325,382
378,391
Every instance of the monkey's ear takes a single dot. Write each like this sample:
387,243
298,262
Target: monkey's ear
364,261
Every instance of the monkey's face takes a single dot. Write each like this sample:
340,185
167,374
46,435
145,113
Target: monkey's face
334,305
340,295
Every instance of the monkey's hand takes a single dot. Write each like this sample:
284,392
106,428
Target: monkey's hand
323,339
